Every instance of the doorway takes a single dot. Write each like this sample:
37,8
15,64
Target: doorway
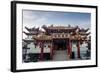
60,44
60,50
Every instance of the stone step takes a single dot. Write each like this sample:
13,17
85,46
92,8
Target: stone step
60,55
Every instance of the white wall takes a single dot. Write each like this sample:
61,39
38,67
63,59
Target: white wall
5,37
46,49
33,49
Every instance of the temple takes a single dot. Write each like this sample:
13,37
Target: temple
55,43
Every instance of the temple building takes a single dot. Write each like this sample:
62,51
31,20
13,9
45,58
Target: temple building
55,43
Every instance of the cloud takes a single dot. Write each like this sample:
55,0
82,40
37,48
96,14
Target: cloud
38,18
31,18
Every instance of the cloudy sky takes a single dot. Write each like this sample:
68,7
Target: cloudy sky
35,18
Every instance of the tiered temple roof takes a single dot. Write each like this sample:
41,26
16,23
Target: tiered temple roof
32,29
59,29
31,33
83,30
58,32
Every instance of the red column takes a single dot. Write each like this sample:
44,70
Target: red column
66,49
69,46
78,49
41,54
51,54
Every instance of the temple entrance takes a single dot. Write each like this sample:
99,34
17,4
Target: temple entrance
60,44
60,50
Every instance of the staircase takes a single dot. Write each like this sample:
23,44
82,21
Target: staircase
60,55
